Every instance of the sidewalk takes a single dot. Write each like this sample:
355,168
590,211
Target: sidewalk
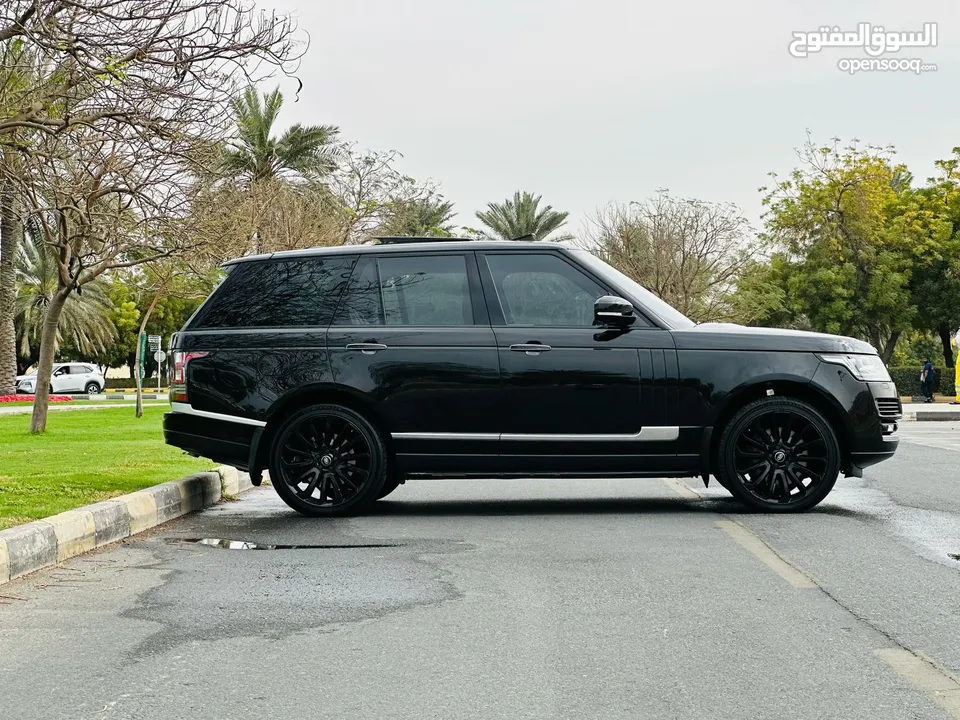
24,409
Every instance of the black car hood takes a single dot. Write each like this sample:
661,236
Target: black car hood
723,336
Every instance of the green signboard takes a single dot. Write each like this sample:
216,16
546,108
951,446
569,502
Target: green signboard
143,355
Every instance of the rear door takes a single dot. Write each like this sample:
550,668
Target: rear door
412,333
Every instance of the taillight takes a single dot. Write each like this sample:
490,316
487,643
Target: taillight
178,378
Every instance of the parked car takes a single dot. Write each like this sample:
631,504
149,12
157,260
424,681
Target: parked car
67,378
346,370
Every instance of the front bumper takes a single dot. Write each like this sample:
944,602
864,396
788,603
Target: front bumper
222,441
871,413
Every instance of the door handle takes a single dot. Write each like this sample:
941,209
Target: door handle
530,348
367,348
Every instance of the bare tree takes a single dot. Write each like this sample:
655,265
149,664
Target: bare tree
369,190
122,97
688,252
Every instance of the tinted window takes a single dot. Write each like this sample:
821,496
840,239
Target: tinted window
279,293
408,290
360,304
543,290
425,290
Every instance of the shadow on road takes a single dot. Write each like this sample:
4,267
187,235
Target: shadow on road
552,506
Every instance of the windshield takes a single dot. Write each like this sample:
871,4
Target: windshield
674,319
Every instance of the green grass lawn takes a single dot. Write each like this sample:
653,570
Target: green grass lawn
84,457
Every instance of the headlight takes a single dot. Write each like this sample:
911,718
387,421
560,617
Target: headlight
868,368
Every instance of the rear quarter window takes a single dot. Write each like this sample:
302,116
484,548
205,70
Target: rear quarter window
278,293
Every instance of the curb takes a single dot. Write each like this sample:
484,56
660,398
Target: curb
943,416
44,543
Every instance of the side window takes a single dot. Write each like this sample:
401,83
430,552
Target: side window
301,292
425,290
62,370
360,303
543,290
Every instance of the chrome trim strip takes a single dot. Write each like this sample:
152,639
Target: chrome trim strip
188,409
647,434
444,436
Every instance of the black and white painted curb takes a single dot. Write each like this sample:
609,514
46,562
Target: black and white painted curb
44,543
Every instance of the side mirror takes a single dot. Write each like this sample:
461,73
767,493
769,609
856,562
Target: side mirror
613,311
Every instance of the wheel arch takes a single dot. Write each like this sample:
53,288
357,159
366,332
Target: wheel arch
795,389
316,395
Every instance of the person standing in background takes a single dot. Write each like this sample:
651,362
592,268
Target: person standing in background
927,379
956,354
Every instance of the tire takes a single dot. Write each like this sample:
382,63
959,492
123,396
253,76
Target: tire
342,458
778,455
92,388
393,481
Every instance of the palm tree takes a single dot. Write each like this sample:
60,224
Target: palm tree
522,216
85,320
304,151
426,217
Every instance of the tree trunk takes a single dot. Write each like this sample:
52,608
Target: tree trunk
890,346
48,349
143,327
9,241
945,339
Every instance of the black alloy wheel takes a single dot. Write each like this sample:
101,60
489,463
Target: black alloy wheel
779,455
327,460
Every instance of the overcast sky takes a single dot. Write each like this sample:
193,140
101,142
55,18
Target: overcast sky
592,101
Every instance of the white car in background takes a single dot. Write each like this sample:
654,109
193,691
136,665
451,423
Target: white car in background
67,378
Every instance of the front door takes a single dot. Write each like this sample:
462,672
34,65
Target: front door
412,334
60,381
576,397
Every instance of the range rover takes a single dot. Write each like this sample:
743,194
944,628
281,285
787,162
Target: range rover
345,371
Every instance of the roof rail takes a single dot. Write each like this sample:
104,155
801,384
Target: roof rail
401,239
524,238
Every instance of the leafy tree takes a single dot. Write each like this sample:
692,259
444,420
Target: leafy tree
429,216
833,218
929,223
522,215
256,154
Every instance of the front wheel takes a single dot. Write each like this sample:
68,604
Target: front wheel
779,455
327,460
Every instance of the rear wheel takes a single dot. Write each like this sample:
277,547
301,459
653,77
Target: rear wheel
92,388
779,455
327,460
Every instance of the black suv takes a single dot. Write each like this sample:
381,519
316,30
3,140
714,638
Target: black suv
344,371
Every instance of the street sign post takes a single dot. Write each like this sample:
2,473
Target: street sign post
160,356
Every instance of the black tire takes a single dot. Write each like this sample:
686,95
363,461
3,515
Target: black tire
779,455
92,388
342,456
393,481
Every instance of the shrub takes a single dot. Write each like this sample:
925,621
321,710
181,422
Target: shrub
907,380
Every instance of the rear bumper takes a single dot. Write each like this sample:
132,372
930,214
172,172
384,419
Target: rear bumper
222,441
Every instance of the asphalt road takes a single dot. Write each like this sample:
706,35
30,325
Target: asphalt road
515,599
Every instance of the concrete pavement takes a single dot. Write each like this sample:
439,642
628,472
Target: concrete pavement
513,599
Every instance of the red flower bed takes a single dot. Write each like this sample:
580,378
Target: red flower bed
31,398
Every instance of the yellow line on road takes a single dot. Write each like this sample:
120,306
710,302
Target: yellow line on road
939,684
681,489
760,550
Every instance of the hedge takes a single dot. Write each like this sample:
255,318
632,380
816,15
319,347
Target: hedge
125,383
907,380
